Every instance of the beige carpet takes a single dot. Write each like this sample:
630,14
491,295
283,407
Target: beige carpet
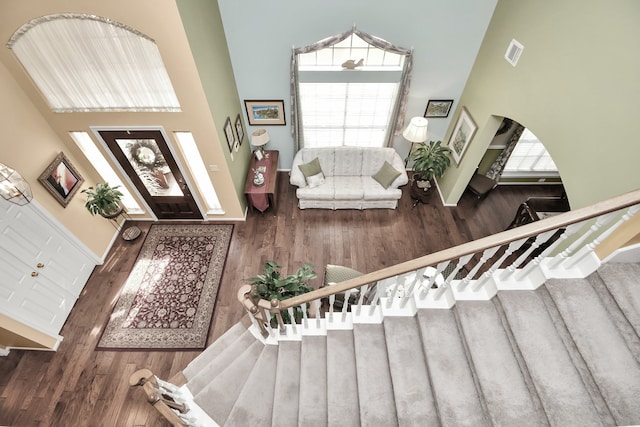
168,300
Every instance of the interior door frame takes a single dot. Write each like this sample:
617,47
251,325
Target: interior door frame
125,177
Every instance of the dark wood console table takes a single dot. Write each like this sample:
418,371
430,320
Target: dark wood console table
261,197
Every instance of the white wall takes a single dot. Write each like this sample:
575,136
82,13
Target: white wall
445,36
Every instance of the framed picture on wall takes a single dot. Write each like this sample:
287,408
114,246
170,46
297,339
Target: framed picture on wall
265,113
228,133
462,134
438,108
61,179
239,129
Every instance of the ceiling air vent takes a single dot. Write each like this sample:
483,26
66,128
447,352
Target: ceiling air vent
513,52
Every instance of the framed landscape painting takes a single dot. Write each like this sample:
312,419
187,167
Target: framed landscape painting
438,108
462,134
265,113
61,179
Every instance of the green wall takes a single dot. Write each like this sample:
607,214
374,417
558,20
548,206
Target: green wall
203,26
576,87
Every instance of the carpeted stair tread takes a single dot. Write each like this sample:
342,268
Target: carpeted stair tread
375,389
415,404
255,403
215,366
508,399
342,382
559,385
312,410
451,376
219,396
623,281
211,352
603,348
620,311
287,386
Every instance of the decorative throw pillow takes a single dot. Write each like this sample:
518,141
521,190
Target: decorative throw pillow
386,175
315,180
311,169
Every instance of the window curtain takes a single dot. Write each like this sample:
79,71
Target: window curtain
85,63
401,106
495,171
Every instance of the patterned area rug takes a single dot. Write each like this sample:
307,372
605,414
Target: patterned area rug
168,300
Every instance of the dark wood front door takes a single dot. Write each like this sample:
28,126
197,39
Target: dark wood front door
146,158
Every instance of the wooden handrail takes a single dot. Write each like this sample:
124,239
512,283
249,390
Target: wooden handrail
505,237
147,380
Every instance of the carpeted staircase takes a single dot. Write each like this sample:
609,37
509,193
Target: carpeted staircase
567,354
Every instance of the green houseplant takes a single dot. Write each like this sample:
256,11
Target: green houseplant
430,160
271,285
103,200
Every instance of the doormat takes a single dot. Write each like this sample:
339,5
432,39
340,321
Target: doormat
168,299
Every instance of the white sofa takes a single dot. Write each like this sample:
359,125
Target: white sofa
348,181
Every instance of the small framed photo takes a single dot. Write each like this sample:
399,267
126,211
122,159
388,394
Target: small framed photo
61,179
259,155
438,108
228,133
462,134
265,113
239,129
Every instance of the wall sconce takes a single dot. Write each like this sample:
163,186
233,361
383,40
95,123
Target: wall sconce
13,187
259,138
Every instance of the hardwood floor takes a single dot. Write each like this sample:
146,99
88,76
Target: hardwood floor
79,386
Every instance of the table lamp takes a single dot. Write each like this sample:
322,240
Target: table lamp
259,139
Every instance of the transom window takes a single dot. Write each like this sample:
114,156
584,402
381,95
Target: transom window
85,63
351,48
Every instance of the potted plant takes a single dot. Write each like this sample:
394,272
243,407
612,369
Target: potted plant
271,286
103,200
429,161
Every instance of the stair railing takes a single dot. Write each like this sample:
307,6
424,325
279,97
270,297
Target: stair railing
163,396
477,267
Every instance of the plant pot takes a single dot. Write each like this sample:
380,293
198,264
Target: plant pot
113,214
420,182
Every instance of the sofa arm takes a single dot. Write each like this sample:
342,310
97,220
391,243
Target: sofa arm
403,179
296,176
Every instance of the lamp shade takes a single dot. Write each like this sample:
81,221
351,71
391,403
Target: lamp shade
13,187
259,137
416,130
